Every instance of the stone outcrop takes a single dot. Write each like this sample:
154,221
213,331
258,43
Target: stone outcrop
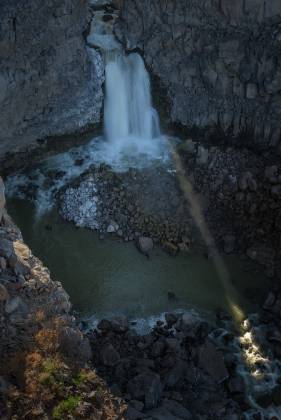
50,83
218,61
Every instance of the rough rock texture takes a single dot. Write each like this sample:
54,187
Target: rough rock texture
44,372
50,83
218,60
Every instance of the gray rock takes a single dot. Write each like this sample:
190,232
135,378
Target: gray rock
104,325
6,248
120,324
177,409
4,295
133,414
146,387
112,227
15,304
202,156
218,84
212,362
145,245
73,344
47,100
110,356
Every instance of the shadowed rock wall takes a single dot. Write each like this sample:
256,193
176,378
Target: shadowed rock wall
49,83
219,61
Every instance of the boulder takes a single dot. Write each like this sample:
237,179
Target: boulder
15,304
74,345
104,325
145,245
110,356
146,387
211,360
120,324
170,248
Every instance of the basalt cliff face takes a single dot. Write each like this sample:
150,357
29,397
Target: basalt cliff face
218,60
50,83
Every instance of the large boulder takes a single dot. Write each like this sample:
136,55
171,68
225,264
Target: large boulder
212,361
145,245
146,387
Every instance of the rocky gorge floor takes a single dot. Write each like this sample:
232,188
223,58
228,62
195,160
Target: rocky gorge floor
168,372
238,193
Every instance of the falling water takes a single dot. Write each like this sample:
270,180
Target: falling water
128,112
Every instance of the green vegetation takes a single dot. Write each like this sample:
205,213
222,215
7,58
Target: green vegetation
65,407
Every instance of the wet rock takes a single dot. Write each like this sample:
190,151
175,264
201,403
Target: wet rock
120,324
145,245
146,387
110,356
170,248
212,362
104,325
112,227
187,324
183,247
171,319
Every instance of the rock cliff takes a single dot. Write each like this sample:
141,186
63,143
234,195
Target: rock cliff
50,83
218,60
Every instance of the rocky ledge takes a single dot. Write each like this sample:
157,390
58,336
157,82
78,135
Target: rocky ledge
187,368
44,372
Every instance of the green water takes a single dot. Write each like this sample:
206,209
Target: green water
105,277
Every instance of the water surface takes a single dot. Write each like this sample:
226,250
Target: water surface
105,277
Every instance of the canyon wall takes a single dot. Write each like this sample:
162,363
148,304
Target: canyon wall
50,83
218,60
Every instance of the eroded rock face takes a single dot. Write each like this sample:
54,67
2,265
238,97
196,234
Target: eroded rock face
50,83
213,60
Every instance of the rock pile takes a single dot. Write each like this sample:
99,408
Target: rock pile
131,205
186,368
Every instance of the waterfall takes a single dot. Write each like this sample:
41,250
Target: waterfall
128,111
